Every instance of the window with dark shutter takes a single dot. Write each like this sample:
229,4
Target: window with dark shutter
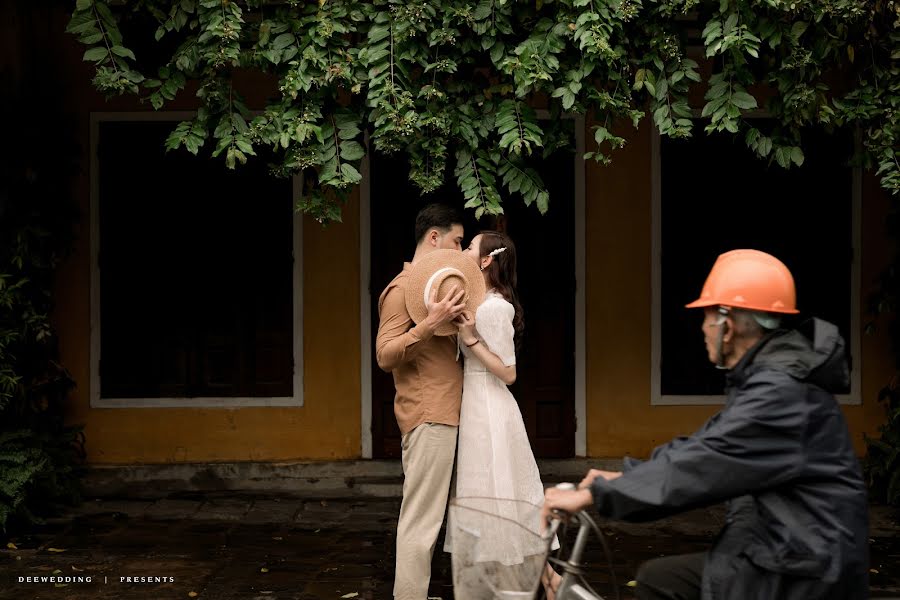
195,271
714,196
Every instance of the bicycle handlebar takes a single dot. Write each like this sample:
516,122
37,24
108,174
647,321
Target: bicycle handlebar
567,487
573,565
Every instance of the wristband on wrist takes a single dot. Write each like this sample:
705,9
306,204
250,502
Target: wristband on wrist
472,344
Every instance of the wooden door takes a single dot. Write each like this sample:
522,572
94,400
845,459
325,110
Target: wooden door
545,364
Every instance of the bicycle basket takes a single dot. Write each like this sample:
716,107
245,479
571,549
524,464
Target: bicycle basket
498,550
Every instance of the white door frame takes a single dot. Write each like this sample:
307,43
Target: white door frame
365,298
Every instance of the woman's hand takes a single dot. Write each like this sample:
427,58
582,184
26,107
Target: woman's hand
465,322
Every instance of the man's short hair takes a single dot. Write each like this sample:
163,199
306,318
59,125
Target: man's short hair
436,216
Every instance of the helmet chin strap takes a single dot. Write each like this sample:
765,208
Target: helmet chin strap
720,338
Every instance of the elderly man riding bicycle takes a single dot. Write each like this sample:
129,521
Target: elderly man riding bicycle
779,451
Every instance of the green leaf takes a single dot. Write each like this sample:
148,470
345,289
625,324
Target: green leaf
82,4
378,33
752,136
89,40
82,23
350,173
106,15
662,88
497,52
782,157
730,22
352,150
543,202
95,54
798,29
283,41
639,79
245,146
483,11
265,28
713,106
797,156
121,51
660,113
238,123
509,138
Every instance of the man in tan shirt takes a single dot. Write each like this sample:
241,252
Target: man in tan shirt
428,380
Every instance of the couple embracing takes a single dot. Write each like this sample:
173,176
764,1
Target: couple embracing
445,303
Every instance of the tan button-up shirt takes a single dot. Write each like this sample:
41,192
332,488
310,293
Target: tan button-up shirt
427,376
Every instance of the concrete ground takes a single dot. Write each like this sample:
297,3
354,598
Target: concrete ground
229,546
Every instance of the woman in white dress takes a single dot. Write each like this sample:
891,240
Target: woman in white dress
494,456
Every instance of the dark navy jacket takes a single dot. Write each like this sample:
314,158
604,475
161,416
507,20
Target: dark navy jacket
780,452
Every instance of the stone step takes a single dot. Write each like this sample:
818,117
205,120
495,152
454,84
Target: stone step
332,479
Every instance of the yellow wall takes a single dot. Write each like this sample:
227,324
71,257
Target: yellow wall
326,427
620,419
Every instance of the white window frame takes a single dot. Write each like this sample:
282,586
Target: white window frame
656,396
365,296
96,400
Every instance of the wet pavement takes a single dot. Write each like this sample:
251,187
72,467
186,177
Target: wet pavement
227,546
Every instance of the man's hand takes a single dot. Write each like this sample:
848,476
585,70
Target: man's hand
447,309
564,500
594,474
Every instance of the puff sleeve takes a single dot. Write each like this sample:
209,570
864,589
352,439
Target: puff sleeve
494,323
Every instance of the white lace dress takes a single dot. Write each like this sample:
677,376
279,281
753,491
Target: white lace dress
494,458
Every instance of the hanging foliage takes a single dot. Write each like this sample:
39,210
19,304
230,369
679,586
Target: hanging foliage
453,84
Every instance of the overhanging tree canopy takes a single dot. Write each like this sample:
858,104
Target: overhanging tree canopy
453,83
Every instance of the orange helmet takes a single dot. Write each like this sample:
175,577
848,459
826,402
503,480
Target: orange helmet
751,280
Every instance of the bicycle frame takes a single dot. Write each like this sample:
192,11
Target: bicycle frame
569,587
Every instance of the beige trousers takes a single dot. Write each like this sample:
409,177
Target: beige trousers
428,454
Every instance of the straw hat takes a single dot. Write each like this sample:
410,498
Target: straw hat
443,269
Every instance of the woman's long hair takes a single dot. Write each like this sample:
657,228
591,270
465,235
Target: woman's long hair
501,275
